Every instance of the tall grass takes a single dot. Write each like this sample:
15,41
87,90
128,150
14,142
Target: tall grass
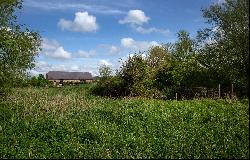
70,123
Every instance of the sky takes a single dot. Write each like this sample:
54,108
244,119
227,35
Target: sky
82,35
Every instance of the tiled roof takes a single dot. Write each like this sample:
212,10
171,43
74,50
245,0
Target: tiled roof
61,75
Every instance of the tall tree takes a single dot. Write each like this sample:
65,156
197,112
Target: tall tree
184,61
184,47
105,71
156,56
18,46
225,44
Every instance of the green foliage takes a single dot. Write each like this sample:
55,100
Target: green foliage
105,72
158,75
224,47
184,47
157,56
18,47
39,81
110,87
69,123
219,55
133,73
7,9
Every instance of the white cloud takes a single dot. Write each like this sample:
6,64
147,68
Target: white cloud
75,68
108,49
135,17
85,54
113,49
150,30
42,67
104,62
137,45
127,42
61,53
53,49
49,45
59,67
83,22
41,63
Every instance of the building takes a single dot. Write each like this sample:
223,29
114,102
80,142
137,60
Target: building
69,77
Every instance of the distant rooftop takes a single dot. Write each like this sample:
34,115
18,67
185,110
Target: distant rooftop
58,75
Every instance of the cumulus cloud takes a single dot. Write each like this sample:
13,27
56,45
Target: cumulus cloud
113,49
86,54
54,50
108,49
135,17
75,68
130,43
49,44
42,67
61,53
83,22
151,30
127,42
104,62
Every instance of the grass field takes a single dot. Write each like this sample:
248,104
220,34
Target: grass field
70,123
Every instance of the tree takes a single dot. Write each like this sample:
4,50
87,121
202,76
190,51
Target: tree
184,47
105,71
18,46
33,81
157,56
42,82
224,46
133,72
159,62
184,58
39,81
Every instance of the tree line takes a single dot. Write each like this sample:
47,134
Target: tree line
218,55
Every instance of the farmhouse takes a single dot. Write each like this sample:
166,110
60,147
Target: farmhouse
73,77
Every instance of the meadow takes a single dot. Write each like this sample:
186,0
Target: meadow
68,122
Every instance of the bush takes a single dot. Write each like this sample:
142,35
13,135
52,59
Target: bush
39,81
111,87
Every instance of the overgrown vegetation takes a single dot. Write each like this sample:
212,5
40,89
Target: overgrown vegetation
69,122
219,55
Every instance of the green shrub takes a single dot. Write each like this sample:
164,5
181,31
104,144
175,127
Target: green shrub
111,87
39,81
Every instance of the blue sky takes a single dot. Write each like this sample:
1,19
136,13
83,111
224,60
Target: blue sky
81,35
